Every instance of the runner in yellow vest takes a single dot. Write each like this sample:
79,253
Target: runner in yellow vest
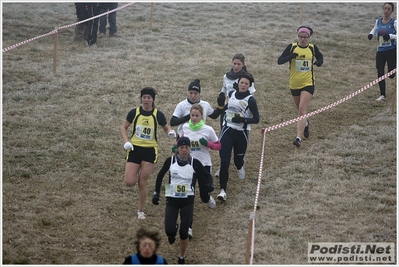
302,56
142,146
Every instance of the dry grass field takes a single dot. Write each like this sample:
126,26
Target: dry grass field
64,200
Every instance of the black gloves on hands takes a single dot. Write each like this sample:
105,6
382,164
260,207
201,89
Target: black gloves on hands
293,55
370,36
155,199
386,37
238,119
209,187
221,99
318,63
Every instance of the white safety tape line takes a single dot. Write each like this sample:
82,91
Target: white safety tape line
277,126
63,27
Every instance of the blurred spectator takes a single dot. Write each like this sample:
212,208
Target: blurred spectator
105,7
88,30
82,14
92,25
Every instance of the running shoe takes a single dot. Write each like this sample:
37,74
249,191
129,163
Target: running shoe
222,196
306,131
181,260
241,173
297,142
211,203
381,98
140,215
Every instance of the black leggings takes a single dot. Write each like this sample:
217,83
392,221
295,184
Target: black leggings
186,208
204,194
381,58
231,138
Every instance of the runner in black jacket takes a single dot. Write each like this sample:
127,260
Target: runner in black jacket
184,173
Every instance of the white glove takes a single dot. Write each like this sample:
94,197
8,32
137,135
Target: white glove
128,146
172,134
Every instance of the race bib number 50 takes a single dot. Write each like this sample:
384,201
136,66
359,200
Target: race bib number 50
176,190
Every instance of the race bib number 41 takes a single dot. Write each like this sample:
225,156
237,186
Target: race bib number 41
302,65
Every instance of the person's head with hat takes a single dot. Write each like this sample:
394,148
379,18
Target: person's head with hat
147,95
194,91
183,147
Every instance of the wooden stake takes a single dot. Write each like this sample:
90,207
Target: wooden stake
151,15
300,14
249,242
393,108
55,51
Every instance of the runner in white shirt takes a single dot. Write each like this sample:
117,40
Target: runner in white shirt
203,138
240,112
229,79
180,190
182,110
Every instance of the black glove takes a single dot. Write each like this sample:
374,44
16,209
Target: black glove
238,119
318,63
370,36
235,85
221,99
209,187
386,37
293,55
187,117
155,199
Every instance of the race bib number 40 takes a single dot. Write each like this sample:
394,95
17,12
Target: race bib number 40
143,132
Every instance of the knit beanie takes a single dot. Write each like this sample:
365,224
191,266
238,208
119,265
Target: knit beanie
183,141
195,85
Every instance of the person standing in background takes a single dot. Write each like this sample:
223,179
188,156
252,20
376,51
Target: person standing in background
385,30
93,10
301,56
80,29
142,147
104,7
